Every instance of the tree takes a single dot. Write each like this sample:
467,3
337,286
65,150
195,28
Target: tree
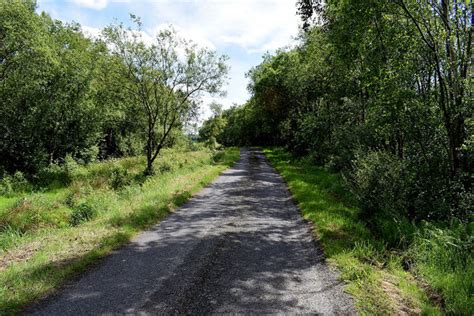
446,27
165,78
213,127
374,85
310,12
47,85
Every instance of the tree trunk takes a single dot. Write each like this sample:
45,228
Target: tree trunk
149,168
149,149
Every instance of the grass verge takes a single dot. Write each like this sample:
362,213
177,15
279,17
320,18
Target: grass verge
47,237
375,276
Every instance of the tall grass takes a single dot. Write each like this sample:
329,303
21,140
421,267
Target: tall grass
374,272
443,257
83,212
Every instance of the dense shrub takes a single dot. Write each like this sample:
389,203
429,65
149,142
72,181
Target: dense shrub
444,257
119,178
52,176
14,184
6,187
88,155
129,145
60,174
380,183
82,213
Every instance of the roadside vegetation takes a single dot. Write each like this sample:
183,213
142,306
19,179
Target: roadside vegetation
96,141
52,231
379,94
64,94
401,269
373,107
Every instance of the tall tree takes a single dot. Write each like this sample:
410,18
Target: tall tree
47,72
165,78
446,27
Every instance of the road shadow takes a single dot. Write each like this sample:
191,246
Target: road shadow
239,245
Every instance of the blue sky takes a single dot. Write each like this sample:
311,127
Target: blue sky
242,29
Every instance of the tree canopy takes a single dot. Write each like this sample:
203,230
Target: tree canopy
381,90
63,93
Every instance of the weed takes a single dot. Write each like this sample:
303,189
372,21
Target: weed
373,272
82,213
165,167
119,178
52,235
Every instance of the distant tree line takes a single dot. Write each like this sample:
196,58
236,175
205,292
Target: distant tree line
62,93
381,90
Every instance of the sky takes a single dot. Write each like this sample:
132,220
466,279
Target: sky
244,30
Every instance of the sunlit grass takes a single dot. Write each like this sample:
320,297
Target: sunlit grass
41,249
374,276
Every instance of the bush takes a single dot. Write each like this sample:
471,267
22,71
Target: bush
77,191
165,166
218,156
380,183
443,256
196,146
20,184
59,175
119,178
73,169
53,176
82,213
397,232
6,187
88,155
16,183
130,144
344,142
212,143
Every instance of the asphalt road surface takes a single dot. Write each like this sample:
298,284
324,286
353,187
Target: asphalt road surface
239,246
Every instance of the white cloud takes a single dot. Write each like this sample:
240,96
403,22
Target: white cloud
195,35
256,26
242,29
92,4
96,4
92,32
239,28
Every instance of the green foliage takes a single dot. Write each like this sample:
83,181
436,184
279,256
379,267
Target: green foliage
372,269
17,183
368,255
213,127
82,213
65,95
444,256
369,93
47,86
379,182
49,236
164,87
119,178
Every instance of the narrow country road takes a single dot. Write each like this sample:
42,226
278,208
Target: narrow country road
239,246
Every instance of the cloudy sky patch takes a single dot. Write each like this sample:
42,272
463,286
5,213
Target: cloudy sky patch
242,29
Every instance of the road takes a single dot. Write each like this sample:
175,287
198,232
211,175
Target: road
238,246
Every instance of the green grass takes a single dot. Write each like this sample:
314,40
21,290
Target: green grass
443,257
374,275
47,237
